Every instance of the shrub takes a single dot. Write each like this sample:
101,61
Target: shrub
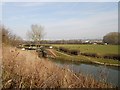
63,49
90,54
112,38
112,56
74,52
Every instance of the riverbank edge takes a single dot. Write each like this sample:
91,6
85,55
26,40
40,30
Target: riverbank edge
30,65
86,61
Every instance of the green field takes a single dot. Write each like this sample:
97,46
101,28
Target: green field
99,49
81,58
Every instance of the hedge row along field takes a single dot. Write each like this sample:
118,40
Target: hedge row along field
99,49
73,52
107,56
95,55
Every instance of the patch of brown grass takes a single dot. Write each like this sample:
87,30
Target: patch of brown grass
23,69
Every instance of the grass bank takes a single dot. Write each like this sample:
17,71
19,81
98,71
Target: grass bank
81,58
24,69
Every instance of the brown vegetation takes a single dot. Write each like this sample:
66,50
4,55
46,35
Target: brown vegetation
24,69
72,52
8,37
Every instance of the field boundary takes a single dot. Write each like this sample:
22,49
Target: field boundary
92,61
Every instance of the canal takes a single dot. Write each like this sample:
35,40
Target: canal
108,74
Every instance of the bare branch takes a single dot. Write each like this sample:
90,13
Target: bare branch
36,34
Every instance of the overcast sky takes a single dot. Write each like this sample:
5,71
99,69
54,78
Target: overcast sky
80,20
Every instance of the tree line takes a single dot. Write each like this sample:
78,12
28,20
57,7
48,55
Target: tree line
112,38
36,34
8,38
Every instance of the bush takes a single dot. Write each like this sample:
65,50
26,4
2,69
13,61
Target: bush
90,54
107,56
74,52
9,38
112,56
112,38
63,49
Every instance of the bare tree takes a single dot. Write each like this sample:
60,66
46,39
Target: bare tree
5,35
36,33
15,40
8,37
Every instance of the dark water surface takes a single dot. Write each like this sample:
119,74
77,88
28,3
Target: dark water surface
108,74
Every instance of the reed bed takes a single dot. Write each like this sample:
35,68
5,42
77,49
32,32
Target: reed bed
24,69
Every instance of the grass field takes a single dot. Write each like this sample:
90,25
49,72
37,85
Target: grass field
85,59
99,49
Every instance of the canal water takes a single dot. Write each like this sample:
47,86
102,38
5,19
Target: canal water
109,74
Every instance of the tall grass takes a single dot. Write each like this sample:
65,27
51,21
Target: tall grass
23,69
